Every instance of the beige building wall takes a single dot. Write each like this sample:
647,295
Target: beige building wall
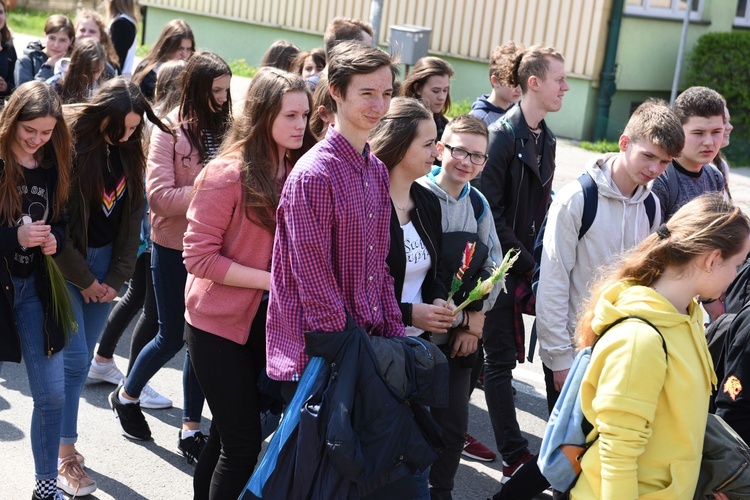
460,28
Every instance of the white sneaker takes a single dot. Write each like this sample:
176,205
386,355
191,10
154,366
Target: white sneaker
107,372
153,400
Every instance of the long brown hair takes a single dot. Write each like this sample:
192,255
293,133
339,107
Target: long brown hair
104,117
104,39
250,137
87,59
28,102
197,105
422,71
394,133
173,33
705,224
168,93
124,7
5,34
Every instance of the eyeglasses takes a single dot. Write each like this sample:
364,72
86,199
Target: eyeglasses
461,154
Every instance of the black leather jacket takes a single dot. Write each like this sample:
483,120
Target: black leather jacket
517,190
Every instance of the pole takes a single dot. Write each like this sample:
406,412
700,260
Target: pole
376,16
680,52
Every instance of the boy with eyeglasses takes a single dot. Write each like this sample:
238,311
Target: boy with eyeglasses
466,217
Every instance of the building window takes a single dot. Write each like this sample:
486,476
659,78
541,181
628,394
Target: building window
666,9
743,14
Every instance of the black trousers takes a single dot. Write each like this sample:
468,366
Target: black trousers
140,294
228,374
454,421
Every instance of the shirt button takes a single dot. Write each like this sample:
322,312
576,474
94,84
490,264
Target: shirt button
375,308
367,184
519,155
370,278
372,247
369,215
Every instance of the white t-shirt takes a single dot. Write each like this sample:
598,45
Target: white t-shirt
417,266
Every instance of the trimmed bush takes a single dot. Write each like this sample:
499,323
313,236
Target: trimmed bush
720,61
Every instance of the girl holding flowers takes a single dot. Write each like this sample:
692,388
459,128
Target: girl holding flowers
35,156
404,140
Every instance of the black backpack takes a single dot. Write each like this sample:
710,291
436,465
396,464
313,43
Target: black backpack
590,204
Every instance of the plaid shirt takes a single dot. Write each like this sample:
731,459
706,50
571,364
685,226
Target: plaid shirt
332,238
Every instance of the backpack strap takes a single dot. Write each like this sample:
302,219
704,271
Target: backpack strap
476,203
718,176
650,204
590,202
673,186
639,318
586,426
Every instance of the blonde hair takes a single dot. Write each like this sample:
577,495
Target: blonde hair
704,224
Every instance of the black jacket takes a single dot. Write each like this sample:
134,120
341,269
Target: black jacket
8,59
10,341
732,399
72,261
517,191
356,434
427,219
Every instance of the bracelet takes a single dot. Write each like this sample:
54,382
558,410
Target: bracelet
407,319
465,323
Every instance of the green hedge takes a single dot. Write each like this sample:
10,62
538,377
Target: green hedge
720,61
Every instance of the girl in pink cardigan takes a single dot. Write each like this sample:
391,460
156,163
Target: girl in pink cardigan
227,250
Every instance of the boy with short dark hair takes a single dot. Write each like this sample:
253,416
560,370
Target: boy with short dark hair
701,112
333,222
465,217
344,29
490,107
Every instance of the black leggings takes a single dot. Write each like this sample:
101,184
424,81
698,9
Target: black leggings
228,374
140,293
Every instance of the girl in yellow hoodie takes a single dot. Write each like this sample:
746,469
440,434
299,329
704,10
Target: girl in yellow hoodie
649,410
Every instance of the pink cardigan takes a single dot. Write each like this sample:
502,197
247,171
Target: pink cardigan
171,172
218,234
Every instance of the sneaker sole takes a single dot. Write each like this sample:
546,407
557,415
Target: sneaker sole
152,406
124,433
476,457
80,492
100,378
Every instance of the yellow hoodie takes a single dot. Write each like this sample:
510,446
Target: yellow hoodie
650,412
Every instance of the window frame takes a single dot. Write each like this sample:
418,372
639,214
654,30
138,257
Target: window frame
672,12
743,21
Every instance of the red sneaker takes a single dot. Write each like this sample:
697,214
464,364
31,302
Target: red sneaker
476,450
509,470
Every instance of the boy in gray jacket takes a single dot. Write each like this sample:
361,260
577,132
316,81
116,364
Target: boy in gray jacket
466,217
652,137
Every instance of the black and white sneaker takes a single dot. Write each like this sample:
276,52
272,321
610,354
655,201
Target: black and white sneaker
192,446
132,421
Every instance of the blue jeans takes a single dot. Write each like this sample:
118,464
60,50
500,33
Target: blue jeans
499,341
422,478
79,350
170,276
46,378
